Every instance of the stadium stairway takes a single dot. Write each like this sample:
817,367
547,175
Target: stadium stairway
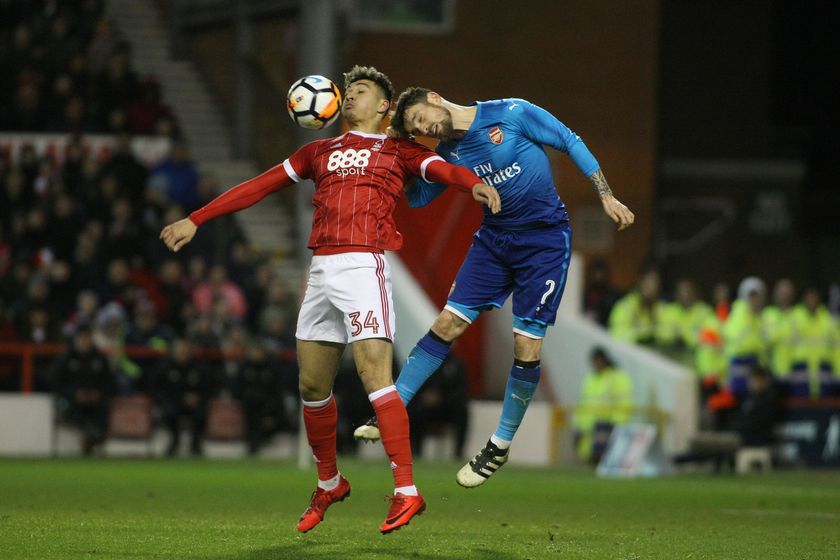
268,225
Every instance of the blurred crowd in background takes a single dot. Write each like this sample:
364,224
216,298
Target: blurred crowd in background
750,350
80,259
66,69
791,331
81,264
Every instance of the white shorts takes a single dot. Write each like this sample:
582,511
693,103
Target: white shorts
348,298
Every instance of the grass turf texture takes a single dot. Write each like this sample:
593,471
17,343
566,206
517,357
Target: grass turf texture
57,509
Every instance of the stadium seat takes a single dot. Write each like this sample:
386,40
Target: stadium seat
225,420
225,431
130,419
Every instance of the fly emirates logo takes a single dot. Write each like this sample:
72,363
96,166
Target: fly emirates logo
497,177
348,162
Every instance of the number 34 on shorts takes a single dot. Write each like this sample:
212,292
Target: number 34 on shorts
348,298
369,323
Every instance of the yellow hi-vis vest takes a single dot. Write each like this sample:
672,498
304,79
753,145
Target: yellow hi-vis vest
604,397
690,320
709,359
743,333
777,325
633,322
814,337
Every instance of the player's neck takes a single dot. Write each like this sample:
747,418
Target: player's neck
373,126
462,117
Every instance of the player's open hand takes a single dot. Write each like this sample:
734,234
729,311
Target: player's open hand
618,212
178,234
487,195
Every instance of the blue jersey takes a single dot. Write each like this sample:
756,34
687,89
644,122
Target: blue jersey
504,147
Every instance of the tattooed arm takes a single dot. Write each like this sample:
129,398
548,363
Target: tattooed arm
617,211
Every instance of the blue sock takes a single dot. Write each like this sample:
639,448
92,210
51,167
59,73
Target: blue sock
521,386
421,363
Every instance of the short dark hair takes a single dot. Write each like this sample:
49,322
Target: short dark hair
410,97
370,73
600,352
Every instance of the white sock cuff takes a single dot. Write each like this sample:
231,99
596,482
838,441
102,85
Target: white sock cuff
499,442
406,490
382,392
330,484
317,404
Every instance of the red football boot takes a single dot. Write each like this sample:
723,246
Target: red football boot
321,500
403,508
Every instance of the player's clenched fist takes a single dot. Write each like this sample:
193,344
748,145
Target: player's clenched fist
488,195
178,234
619,213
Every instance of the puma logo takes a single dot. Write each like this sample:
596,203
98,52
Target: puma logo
517,397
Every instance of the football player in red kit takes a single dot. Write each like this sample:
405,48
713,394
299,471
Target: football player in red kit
358,178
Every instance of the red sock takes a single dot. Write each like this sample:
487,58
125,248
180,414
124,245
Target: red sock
320,421
393,426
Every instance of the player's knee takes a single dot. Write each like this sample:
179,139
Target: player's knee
527,354
449,326
312,390
526,349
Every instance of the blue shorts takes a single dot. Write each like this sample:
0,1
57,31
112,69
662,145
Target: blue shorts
531,264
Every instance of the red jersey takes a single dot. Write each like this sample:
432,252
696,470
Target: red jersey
358,179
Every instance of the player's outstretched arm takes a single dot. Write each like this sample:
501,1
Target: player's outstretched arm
617,211
441,172
542,127
243,195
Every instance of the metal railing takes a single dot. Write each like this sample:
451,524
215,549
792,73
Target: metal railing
27,352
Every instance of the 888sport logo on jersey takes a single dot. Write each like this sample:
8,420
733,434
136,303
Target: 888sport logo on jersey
348,162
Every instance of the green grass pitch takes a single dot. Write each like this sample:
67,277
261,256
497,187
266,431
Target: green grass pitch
185,510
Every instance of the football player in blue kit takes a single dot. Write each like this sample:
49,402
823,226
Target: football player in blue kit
523,250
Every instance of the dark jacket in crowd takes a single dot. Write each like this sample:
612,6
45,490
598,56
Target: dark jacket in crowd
88,371
759,414
179,382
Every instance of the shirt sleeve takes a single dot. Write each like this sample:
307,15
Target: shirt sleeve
416,158
293,170
244,194
422,162
439,171
300,164
542,127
